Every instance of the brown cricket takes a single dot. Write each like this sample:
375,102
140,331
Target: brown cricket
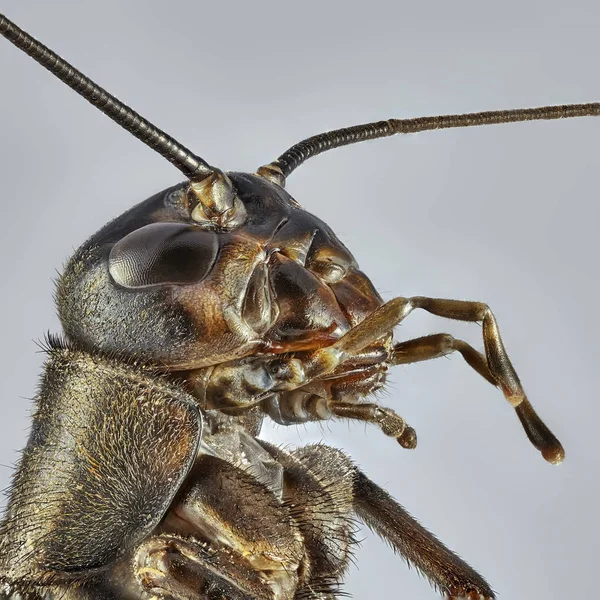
186,321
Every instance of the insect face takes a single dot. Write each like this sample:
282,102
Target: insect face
161,283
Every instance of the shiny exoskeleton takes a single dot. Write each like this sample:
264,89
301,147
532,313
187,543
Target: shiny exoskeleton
188,320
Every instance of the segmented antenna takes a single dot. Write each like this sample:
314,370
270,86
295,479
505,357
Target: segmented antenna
291,159
188,163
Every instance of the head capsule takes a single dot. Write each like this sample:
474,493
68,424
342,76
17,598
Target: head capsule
166,283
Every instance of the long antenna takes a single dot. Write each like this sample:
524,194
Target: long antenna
291,159
192,166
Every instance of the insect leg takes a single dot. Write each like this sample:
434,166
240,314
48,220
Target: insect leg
319,490
444,569
382,514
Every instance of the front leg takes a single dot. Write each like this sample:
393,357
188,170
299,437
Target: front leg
359,496
446,571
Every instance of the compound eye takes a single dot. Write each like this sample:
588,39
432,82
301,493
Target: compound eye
163,253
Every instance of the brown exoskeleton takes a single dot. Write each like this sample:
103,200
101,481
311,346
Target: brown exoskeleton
221,297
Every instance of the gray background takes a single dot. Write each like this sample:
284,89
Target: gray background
508,215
